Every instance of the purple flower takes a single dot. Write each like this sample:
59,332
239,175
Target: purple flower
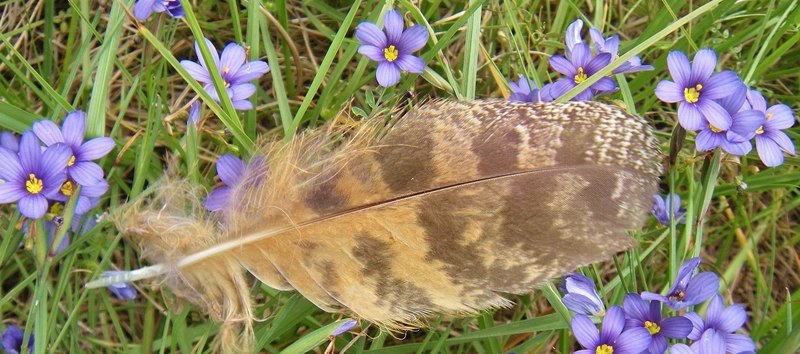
580,295
393,48
144,8
696,89
641,315
235,72
9,141
611,46
612,338
662,207
578,69
770,138
522,91
688,290
123,291
31,177
230,170
721,321
12,340
344,327
89,197
80,167
744,123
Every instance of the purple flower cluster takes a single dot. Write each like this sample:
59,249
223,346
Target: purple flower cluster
639,326
35,176
235,70
392,47
578,64
144,8
724,111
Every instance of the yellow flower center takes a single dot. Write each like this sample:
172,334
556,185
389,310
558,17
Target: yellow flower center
692,94
391,53
769,115
67,188
714,129
33,184
71,161
680,294
225,69
57,208
604,349
581,77
652,327
760,130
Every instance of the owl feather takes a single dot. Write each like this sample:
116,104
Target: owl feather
436,214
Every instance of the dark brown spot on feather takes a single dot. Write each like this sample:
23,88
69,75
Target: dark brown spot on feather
323,197
406,159
376,258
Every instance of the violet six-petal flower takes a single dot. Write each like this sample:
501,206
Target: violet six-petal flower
723,322
392,47
640,314
770,138
663,206
80,167
32,176
235,71
688,289
696,89
578,69
613,337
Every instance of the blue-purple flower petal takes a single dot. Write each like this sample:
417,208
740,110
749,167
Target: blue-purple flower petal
413,39
410,63
388,74
370,34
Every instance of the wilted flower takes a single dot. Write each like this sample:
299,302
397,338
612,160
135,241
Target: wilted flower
578,69
80,167
144,8
640,314
723,322
31,177
662,207
13,338
236,74
526,91
770,138
688,290
744,122
124,291
613,338
580,295
697,89
393,48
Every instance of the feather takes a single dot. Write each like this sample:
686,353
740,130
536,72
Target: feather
453,203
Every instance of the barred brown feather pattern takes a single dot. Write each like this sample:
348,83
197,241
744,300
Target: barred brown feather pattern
455,202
